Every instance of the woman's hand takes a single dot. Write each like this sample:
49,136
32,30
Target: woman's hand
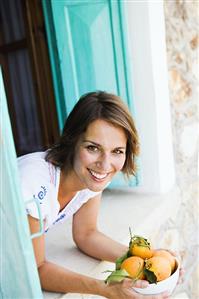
181,270
178,256
124,290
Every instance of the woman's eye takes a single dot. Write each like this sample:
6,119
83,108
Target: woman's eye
118,152
92,148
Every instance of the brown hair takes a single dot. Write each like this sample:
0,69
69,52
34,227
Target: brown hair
90,107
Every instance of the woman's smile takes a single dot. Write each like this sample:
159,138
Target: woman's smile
98,176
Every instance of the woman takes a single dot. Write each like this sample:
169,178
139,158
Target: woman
99,139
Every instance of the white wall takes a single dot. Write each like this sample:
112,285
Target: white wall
147,47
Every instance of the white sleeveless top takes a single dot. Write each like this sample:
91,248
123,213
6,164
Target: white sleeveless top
40,180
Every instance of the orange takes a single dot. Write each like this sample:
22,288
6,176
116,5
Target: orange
160,266
142,251
140,246
166,254
134,265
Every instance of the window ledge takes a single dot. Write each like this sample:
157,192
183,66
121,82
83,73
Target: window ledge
144,213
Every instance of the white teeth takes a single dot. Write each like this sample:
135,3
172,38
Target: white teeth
97,175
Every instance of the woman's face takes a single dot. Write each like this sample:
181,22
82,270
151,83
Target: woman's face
99,155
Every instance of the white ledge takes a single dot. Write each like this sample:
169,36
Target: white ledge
119,210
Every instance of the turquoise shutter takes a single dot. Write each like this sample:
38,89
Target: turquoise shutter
18,275
87,47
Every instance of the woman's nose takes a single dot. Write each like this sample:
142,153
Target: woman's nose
104,163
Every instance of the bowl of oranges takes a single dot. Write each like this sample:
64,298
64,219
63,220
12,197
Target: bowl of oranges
158,266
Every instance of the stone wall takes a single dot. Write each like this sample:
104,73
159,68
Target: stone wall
182,18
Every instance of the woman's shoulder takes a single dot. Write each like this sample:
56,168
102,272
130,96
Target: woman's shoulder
34,168
33,163
31,159
39,180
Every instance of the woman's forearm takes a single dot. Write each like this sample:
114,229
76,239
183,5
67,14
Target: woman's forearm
54,278
100,246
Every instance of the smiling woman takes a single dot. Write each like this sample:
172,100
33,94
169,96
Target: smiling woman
99,140
94,106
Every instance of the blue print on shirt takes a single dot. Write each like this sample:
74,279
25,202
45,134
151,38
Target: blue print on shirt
60,218
41,194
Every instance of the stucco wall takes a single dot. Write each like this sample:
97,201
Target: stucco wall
146,40
182,52
182,18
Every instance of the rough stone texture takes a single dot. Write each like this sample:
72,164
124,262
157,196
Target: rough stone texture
182,39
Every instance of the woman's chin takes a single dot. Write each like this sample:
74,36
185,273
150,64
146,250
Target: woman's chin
97,187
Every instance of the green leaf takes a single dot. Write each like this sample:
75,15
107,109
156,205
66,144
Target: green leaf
150,276
120,260
117,276
139,241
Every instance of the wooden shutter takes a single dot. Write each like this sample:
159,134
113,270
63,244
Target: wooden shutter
88,52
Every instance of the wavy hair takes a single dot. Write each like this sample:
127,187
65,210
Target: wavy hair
90,107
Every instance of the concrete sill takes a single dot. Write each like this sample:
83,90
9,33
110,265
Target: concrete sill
144,213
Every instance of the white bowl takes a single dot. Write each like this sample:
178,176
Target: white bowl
167,284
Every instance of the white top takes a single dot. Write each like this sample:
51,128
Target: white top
40,180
